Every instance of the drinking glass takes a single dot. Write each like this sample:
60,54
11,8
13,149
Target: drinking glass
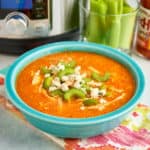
109,22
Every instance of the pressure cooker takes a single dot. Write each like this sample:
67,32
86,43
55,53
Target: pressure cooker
25,24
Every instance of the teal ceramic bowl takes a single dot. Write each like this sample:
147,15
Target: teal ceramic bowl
66,127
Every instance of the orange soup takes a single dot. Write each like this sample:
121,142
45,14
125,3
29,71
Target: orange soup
75,84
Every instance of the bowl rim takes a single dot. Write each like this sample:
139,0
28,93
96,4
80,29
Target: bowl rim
41,51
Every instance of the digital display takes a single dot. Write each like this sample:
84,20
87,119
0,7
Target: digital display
16,4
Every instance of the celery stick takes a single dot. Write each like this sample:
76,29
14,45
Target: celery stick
102,13
114,34
127,27
96,22
93,32
120,6
113,26
93,23
113,7
94,6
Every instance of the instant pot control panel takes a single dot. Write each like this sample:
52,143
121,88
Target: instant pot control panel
24,18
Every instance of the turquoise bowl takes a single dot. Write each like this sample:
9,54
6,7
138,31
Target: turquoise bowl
67,127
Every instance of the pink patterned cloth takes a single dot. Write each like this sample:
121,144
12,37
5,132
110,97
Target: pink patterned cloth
132,134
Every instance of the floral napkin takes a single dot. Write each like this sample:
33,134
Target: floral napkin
132,134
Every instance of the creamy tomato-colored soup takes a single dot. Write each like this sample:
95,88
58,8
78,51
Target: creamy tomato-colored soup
75,84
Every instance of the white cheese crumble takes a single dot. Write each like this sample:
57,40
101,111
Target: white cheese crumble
71,77
65,78
70,82
77,85
52,88
56,82
60,67
64,87
102,101
77,77
47,75
53,68
94,92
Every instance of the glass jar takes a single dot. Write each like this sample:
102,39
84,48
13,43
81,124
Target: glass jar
143,30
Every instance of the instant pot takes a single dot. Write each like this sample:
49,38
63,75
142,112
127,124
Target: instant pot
25,24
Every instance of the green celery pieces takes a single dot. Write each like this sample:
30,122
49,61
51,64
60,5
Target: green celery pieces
64,72
57,92
71,64
74,92
90,102
47,82
45,70
96,76
87,80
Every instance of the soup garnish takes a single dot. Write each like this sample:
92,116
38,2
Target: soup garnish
66,81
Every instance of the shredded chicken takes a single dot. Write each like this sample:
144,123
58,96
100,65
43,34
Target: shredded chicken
93,69
36,79
116,90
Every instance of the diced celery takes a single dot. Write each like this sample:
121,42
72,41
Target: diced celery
47,82
90,102
45,70
74,93
57,92
100,78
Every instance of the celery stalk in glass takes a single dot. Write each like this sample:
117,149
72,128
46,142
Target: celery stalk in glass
93,33
127,27
120,6
114,33
96,22
114,24
102,14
